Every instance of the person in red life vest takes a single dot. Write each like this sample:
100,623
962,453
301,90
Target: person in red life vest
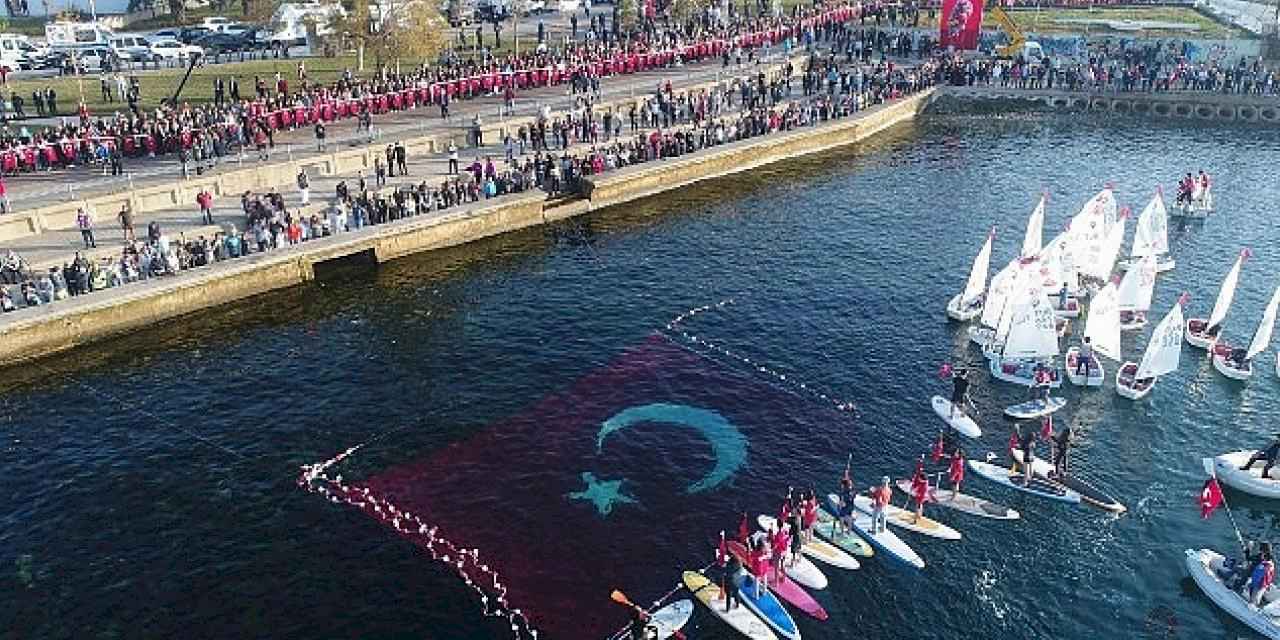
810,516
919,488
880,497
936,453
955,472
778,543
1264,573
758,558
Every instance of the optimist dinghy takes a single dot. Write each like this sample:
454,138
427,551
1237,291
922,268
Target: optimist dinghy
1204,333
1237,364
1135,380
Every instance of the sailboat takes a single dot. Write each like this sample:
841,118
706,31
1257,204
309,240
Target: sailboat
1135,293
1035,230
1091,232
1058,265
1204,333
1135,380
994,306
1102,331
1026,338
967,304
1237,364
1151,235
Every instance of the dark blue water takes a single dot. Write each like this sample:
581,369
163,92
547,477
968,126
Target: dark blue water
149,484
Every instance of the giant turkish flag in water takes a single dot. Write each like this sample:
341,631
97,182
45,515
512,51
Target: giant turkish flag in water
961,23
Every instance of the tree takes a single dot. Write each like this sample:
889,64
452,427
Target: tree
178,9
627,13
258,11
411,31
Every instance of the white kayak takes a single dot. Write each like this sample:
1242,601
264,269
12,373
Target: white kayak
819,550
1034,408
964,503
959,421
1037,486
1089,494
905,519
739,618
1204,565
1227,468
885,541
665,622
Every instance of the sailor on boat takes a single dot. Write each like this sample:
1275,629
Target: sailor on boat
1270,454
1064,294
1042,380
1185,187
1260,579
1084,361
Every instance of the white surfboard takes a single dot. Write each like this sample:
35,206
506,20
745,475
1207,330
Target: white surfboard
964,502
959,421
904,519
1037,486
671,618
817,549
886,541
1034,408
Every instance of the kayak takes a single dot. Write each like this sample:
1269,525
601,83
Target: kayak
819,550
739,618
783,586
850,543
766,606
885,541
1203,566
964,503
904,519
1034,408
1037,487
1227,468
1089,494
665,622
960,421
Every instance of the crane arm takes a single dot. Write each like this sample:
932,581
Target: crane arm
1016,37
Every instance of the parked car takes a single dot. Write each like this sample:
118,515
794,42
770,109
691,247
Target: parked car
166,34
216,43
191,34
168,50
131,48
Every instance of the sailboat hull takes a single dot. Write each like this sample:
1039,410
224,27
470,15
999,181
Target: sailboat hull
1095,376
1130,388
1163,264
1132,320
958,312
1229,370
1072,310
1196,335
1021,372
981,336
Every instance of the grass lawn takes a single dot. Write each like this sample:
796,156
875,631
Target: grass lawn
1060,21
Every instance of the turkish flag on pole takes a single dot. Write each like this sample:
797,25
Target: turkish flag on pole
961,23
1210,497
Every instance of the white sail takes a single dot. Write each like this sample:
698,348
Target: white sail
1017,284
1032,333
1091,233
1226,293
1165,347
998,294
978,274
1110,251
1058,264
1151,235
1138,284
1035,231
1262,337
1103,326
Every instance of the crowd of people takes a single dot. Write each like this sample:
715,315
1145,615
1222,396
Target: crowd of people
237,118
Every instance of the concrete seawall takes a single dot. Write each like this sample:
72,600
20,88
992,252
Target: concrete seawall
40,331
1182,105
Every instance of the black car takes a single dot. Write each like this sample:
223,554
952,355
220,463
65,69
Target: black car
189,35
216,43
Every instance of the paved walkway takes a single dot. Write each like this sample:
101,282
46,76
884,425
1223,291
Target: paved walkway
43,188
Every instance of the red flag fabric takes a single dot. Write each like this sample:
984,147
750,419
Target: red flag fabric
961,23
1210,497
744,531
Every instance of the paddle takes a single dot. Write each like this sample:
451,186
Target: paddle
621,598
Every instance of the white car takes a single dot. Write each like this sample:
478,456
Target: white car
131,48
173,50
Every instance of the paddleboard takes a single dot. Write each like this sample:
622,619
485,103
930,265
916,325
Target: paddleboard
885,541
1037,487
964,503
819,550
783,586
671,618
739,618
960,421
850,543
904,519
1034,408
766,606
1089,494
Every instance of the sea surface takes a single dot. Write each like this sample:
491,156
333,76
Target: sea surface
149,485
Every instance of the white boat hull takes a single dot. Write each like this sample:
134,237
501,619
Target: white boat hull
1072,310
1202,566
1196,336
1163,263
1096,374
1128,387
1224,366
1021,372
1132,320
981,336
956,311
1227,468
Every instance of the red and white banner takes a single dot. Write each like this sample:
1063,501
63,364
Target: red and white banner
961,23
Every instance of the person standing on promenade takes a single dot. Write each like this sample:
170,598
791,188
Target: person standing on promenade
84,222
402,158
205,200
453,159
304,186
320,133
126,222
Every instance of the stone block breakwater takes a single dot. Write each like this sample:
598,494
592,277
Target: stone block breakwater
1261,110
48,329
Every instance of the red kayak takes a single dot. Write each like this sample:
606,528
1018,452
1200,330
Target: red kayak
785,588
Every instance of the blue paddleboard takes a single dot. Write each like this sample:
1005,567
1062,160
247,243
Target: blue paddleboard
766,606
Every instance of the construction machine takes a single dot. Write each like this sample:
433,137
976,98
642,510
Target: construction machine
1019,45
